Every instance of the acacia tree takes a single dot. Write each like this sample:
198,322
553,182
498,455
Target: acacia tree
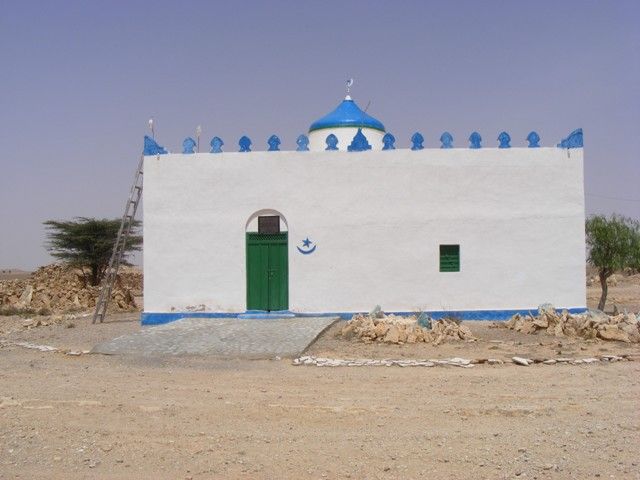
614,244
88,243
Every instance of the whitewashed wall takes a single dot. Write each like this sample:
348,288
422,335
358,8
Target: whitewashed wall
377,219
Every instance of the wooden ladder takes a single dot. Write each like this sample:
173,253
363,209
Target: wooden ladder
111,274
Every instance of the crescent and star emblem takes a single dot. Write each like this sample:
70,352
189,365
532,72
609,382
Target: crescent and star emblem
306,247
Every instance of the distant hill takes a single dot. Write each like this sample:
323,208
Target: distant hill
13,274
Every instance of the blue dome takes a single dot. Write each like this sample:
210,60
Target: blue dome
348,114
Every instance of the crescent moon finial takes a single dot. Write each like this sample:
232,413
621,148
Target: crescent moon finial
349,84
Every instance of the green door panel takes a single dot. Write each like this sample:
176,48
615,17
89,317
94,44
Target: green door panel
278,277
257,268
267,271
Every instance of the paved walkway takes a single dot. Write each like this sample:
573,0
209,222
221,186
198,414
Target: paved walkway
225,337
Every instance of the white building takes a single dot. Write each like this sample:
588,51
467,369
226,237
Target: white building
482,232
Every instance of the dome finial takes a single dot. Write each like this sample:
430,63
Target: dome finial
349,84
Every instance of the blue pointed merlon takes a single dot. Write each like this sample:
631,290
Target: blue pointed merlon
274,143
534,140
245,144
475,140
152,148
332,142
216,145
359,143
303,143
504,140
189,145
447,140
388,142
416,141
574,140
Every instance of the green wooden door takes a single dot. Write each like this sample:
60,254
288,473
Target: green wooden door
267,271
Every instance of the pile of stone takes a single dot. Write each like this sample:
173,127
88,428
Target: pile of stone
624,327
392,329
59,288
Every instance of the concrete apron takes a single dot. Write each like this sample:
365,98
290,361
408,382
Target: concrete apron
224,337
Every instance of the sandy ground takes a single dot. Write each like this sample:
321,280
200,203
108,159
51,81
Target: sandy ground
624,294
103,417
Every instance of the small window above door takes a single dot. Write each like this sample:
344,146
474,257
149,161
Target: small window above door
269,224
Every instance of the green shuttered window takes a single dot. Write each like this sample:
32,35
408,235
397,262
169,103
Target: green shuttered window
449,258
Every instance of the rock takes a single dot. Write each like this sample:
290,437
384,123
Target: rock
527,327
546,308
393,335
381,329
557,331
459,361
542,321
520,361
402,333
632,331
612,332
25,298
465,333
348,330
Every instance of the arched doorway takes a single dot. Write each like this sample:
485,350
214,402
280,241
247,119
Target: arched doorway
267,255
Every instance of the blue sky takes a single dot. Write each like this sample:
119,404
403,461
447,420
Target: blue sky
80,80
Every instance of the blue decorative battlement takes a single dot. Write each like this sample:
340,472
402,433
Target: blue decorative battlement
303,143
474,140
388,142
332,142
151,147
361,143
417,141
574,140
504,138
274,143
245,144
533,138
216,145
189,145
447,140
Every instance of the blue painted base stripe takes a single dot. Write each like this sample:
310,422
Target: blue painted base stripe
150,318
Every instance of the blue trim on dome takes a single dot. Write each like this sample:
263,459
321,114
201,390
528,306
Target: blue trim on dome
348,114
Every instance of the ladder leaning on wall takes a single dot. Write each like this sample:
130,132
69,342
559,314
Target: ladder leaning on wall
111,274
